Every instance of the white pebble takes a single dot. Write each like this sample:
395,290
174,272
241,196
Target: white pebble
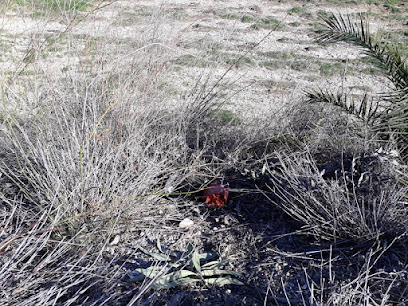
186,223
115,240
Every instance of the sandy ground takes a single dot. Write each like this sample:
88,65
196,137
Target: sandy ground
207,37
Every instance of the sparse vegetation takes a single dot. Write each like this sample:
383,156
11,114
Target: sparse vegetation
184,268
226,117
294,24
301,11
65,5
297,10
230,16
329,68
247,18
267,23
115,117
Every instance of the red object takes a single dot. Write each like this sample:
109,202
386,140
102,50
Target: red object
216,195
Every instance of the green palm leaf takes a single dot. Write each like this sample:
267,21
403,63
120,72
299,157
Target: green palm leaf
389,116
344,28
365,109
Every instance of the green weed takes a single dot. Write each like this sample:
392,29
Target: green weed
267,23
322,13
247,19
300,10
65,5
178,13
189,60
328,69
294,24
230,16
285,40
298,65
271,65
276,54
226,117
392,8
180,268
232,59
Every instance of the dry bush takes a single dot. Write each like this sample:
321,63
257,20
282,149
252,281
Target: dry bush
356,197
342,179
87,151
92,155
372,284
347,188
348,193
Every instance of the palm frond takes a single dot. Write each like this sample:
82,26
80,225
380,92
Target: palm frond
397,68
392,116
339,28
394,123
366,109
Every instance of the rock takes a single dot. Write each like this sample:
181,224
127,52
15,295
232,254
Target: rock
186,223
115,240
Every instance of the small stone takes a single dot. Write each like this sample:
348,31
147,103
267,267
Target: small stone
186,223
227,221
110,250
115,240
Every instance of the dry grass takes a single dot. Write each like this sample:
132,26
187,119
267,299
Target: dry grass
98,151
92,152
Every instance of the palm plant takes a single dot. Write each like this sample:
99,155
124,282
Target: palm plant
388,115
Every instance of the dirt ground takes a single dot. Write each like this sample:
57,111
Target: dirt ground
278,59
209,36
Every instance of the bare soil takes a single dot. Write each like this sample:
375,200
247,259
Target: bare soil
208,37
